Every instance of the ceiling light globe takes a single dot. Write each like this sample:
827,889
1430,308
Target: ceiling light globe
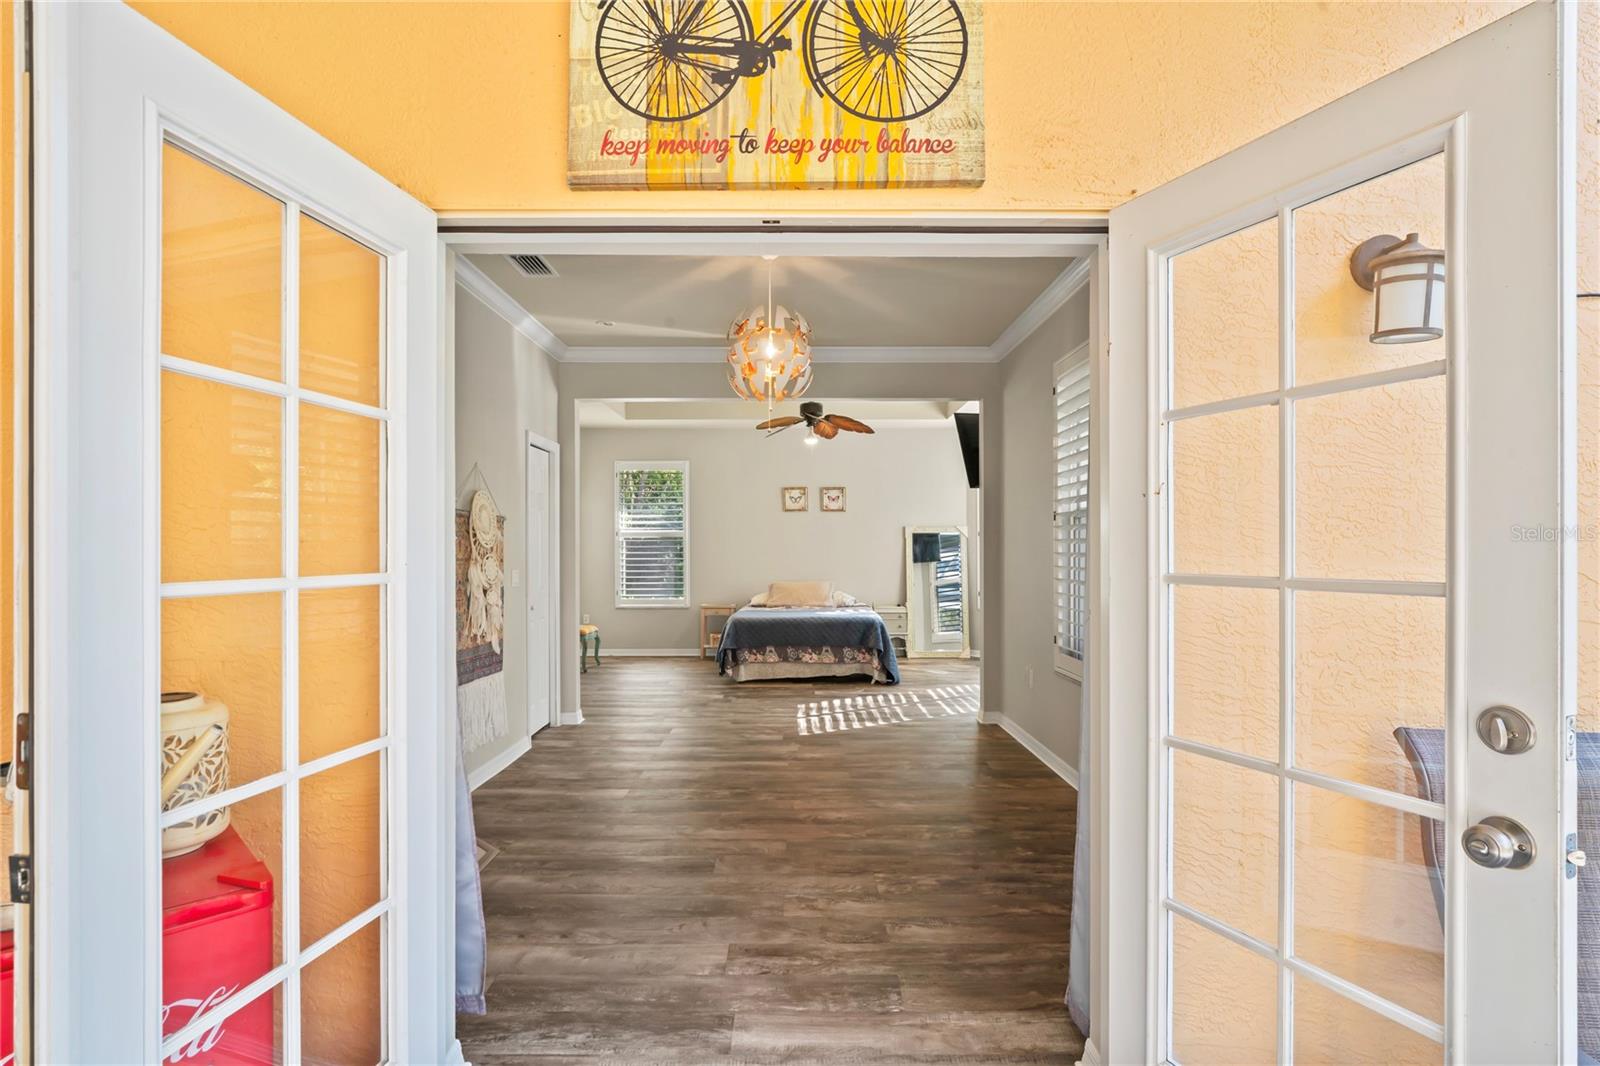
769,361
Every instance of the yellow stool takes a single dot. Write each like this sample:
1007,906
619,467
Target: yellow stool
585,635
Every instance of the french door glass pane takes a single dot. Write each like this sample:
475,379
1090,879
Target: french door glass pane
1333,315
341,318
232,653
341,633
221,481
1225,317
1331,1030
1367,898
339,498
341,854
1225,493
221,268
343,1018
1224,1000
229,648
1359,689
1365,666
1369,483
1225,843
1225,668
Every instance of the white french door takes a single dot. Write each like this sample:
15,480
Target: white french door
244,740
1328,560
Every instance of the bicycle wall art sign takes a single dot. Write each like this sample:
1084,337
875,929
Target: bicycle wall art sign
766,94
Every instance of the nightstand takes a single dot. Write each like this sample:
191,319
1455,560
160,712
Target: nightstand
898,621
713,615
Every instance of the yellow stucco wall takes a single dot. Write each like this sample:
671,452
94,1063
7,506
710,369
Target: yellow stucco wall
1087,104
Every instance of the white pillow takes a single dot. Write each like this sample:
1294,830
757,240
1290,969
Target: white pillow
844,599
800,594
758,600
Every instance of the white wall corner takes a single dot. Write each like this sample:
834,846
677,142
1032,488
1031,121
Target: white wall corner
1067,773
454,1056
572,717
1091,1054
1047,303
498,763
475,281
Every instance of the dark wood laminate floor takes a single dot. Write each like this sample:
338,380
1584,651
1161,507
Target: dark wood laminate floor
689,878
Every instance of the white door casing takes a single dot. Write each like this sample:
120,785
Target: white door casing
110,86
1500,104
544,574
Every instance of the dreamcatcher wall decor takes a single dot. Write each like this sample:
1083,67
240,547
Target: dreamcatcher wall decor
480,615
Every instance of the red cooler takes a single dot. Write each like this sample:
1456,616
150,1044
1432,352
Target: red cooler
217,938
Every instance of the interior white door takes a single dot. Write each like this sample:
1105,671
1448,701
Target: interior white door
1322,576
541,578
238,483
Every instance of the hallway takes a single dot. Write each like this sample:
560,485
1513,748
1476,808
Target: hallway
695,875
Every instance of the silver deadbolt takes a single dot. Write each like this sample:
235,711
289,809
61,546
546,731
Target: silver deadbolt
1498,843
1506,730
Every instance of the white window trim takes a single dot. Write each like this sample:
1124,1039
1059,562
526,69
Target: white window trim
616,535
1067,664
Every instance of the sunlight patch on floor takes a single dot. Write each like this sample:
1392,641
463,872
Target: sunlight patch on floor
845,713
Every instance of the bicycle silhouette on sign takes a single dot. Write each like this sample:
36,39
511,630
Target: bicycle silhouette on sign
880,60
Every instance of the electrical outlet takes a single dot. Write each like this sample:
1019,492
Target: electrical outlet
516,579
1030,679
585,619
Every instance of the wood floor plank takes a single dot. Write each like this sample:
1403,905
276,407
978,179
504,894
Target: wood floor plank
695,876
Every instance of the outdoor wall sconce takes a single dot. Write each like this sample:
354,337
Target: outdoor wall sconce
1407,280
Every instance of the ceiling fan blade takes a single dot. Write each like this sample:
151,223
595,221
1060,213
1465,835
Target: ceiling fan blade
780,423
824,429
846,422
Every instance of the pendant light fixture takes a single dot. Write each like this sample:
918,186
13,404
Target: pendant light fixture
769,351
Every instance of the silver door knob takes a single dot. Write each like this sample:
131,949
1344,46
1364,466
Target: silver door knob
1506,730
1498,843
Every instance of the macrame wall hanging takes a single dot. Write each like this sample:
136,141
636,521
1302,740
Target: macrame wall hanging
480,614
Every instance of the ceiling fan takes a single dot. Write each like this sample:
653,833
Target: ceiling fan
822,426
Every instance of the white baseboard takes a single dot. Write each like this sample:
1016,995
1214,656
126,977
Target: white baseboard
498,763
646,653
1069,774
572,717
455,1056
1091,1054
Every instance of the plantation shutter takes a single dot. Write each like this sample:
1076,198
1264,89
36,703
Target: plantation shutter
1072,505
947,584
652,534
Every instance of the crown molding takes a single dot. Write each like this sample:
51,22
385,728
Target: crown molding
688,354
475,281
1047,303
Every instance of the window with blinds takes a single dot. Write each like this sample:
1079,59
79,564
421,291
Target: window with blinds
1072,509
947,586
652,534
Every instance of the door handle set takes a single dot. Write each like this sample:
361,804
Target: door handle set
1497,842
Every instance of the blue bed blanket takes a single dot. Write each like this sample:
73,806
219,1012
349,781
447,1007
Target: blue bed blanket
808,627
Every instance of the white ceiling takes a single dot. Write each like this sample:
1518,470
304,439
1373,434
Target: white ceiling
650,301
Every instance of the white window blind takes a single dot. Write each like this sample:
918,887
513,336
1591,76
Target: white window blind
1072,504
947,585
652,534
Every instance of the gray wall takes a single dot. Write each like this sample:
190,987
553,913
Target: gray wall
1048,706
869,381
505,386
740,538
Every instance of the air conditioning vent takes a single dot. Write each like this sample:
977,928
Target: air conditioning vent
533,266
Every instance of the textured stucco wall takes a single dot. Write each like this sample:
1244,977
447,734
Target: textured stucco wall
464,104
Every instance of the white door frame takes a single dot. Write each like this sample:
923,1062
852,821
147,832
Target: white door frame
1428,101
553,557
97,922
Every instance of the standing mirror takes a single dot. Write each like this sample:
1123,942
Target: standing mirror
936,592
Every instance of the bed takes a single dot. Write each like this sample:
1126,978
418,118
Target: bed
766,642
